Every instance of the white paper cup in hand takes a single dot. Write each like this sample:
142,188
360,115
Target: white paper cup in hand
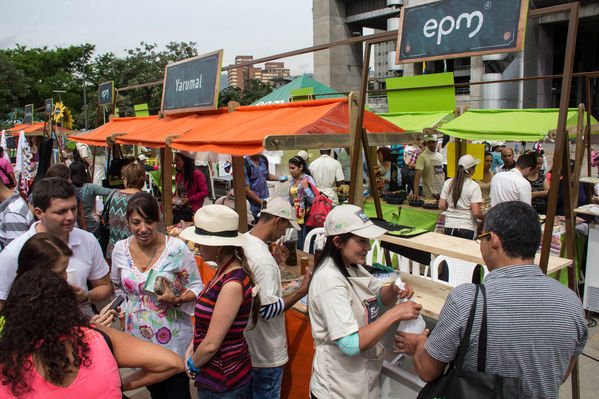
72,277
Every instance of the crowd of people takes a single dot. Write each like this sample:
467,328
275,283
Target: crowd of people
228,335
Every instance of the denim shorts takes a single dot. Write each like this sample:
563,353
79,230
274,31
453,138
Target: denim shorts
265,383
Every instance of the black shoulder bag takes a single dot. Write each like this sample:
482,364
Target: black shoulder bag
458,383
102,231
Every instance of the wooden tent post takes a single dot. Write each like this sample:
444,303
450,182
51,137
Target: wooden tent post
166,164
578,154
239,190
355,196
239,183
561,161
94,152
587,136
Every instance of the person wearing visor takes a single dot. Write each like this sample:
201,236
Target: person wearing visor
344,302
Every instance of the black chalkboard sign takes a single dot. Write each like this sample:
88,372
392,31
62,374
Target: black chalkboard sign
192,84
28,114
48,105
106,93
458,28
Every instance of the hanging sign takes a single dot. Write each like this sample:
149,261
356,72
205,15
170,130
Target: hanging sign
28,114
192,84
460,28
48,104
106,93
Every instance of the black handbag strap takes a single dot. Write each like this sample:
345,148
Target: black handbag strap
482,338
459,360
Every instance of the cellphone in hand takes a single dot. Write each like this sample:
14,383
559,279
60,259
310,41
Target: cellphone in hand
119,299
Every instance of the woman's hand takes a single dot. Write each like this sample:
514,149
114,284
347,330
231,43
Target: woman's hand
168,296
407,292
305,183
188,354
106,317
407,310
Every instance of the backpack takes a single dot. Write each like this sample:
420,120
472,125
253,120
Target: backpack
321,207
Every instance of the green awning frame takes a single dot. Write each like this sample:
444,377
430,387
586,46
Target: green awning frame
507,124
418,121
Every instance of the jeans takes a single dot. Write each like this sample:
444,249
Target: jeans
301,237
174,387
265,383
239,393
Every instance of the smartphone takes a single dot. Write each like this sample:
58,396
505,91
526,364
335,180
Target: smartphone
119,299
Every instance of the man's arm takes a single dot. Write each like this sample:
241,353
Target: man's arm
102,289
573,361
427,367
252,196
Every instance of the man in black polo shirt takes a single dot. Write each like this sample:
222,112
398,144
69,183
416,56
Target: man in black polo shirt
536,326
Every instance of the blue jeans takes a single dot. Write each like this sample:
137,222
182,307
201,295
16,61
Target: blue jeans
301,237
239,393
265,383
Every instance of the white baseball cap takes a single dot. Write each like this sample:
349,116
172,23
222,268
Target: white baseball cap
279,206
468,161
351,219
142,157
304,154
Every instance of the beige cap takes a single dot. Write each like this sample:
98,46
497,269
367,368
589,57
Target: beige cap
351,219
279,206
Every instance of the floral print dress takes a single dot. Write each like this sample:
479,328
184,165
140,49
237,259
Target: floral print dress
145,316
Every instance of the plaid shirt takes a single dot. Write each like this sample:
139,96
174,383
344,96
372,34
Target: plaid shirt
413,155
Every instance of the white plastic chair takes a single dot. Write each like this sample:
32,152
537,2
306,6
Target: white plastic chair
460,271
375,246
148,188
319,239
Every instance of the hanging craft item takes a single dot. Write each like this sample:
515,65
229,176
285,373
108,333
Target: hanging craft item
24,165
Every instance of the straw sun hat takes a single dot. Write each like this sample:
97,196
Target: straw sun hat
215,225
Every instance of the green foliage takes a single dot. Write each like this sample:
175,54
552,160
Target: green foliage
254,90
29,76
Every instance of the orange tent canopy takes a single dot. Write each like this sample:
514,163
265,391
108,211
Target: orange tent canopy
242,132
155,135
35,127
117,125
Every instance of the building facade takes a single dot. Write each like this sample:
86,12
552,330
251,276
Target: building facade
543,54
272,73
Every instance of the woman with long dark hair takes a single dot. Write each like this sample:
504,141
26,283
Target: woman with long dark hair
218,358
344,301
49,350
191,188
159,277
301,194
89,191
461,199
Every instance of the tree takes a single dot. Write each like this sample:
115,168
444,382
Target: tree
13,88
254,90
231,93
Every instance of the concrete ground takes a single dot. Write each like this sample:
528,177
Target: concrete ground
589,370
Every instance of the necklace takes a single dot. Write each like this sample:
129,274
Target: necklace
144,268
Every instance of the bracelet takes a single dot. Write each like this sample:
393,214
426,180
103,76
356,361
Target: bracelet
191,368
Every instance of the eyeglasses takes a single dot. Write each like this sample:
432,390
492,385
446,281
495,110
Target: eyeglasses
486,236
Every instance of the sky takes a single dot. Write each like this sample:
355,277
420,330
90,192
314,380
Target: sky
241,27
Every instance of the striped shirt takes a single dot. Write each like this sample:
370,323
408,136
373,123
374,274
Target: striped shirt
15,219
230,367
535,326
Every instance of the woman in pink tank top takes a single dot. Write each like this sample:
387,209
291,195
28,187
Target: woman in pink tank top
49,350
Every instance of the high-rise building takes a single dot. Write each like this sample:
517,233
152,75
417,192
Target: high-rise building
272,72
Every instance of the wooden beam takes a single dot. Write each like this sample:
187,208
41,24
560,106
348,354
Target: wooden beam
302,141
355,196
571,130
94,151
239,190
578,153
166,165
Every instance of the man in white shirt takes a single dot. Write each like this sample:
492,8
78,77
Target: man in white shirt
267,340
507,156
327,173
513,185
55,205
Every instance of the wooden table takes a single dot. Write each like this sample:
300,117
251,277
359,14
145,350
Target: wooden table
459,248
430,294
588,209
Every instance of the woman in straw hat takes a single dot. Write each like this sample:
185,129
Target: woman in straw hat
218,358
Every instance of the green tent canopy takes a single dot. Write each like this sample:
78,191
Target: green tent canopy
283,93
507,124
417,121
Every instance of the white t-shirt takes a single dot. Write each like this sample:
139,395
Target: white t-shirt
326,171
87,260
431,165
83,150
267,340
461,217
510,186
